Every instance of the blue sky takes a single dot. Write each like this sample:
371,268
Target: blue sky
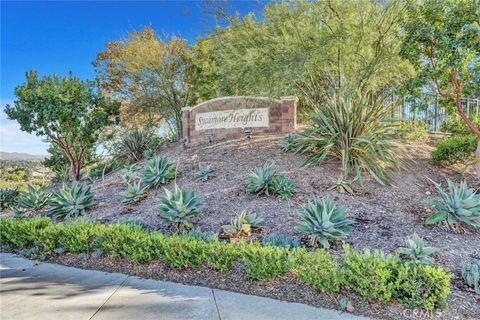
56,37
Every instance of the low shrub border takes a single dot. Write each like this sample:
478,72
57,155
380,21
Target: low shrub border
371,274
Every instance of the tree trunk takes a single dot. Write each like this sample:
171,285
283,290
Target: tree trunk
477,157
75,170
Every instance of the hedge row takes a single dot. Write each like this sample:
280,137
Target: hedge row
369,273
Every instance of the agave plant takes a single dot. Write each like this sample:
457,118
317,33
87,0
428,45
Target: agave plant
281,241
157,171
260,179
471,274
204,173
283,187
178,206
289,143
416,250
33,199
457,205
134,193
71,201
324,221
349,126
243,224
7,198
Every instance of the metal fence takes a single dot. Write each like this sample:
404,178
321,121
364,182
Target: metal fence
426,108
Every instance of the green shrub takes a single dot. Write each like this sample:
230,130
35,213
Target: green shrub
264,180
412,130
7,198
457,205
323,221
178,206
157,172
289,143
281,241
422,286
350,127
134,193
79,236
471,274
369,273
32,199
180,251
22,232
222,256
265,262
456,126
457,149
204,173
416,250
71,202
318,269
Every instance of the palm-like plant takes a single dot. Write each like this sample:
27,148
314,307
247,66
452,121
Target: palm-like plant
457,205
323,221
71,202
32,199
349,127
157,171
177,207
416,250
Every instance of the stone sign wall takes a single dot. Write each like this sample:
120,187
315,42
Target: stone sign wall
235,117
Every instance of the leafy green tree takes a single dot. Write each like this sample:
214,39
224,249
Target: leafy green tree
67,111
152,77
442,39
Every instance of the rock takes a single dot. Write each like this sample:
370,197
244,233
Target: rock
350,307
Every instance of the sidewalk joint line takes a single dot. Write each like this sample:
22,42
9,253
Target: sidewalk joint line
216,305
114,291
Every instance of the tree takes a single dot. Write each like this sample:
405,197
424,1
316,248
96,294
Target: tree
67,111
442,38
151,76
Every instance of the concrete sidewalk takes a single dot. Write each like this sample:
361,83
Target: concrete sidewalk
30,290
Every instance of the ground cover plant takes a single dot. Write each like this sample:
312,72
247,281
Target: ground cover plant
372,274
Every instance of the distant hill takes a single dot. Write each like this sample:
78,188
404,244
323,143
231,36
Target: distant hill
16,156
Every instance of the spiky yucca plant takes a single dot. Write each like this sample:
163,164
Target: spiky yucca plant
471,274
349,126
416,250
323,220
71,201
7,198
289,143
204,173
260,179
32,199
283,187
457,205
134,193
157,171
177,207
243,224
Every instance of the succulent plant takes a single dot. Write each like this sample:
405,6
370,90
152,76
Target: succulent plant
289,143
260,179
416,250
32,199
134,193
200,235
324,221
157,171
243,224
7,198
178,206
283,187
204,173
281,241
457,205
471,274
128,174
133,222
71,201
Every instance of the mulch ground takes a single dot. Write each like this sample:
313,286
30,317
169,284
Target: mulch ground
385,216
